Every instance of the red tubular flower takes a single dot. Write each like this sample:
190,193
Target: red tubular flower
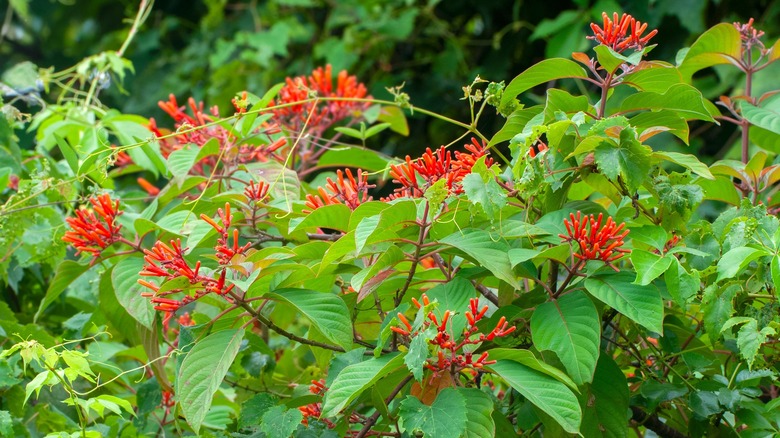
433,166
615,33
149,187
93,233
256,193
198,128
350,191
316,117
225,251
596,242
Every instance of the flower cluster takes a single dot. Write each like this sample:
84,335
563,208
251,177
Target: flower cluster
318,117
93,233
199,128
416,176
621,34
314,410
450,357
167,262
750,36
225,251
596,242
256,192
350,191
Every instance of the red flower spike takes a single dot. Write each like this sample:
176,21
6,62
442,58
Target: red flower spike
318,116
615,33
404,321
93,233
434,166
596,242
351,192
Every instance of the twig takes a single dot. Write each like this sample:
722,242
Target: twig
370,421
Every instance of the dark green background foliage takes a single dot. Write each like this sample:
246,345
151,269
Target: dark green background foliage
215,48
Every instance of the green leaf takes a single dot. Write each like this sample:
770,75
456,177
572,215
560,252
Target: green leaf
648,265
202,371
515,124
417,354
688,161
6,424
681,285
652,235
570,327
353,156
736,259
396,118
125,277
651,76
68,152
641,304
528,359
479,410
561,101
180,161
334,216
326,311
630,160
762,117
354,379
606,415
67,272
480,247
717,306
252,410
280,422
721,44
487,194
551,396
544,71
445,418
750,339
681,98
651,123
609,60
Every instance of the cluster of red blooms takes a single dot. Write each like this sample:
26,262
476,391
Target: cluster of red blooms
749,35
167,262
198,128
315,116
596,242
617,35
449,358
435,166
225,251
351,191
314,410
93,233
256,192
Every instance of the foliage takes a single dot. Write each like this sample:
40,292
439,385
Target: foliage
268,273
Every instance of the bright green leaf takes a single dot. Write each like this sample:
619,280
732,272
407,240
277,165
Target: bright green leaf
325,310
445,418
202,371
570,327
551,396
642,304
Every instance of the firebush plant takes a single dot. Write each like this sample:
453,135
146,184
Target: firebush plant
268,273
